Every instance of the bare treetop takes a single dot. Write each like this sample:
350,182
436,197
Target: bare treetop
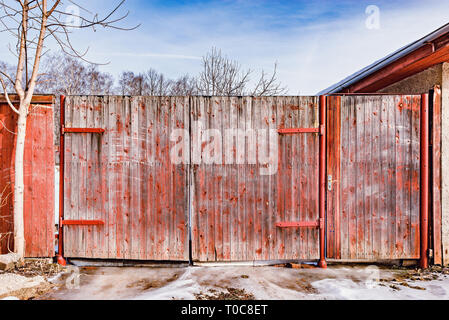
33,23
64,74
221,76
59,23
268,85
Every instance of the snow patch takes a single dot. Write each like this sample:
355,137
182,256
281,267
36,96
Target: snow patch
10,282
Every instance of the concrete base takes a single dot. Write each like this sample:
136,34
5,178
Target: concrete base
79,262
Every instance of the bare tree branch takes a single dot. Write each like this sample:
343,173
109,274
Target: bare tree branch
269,85
221,76
6,94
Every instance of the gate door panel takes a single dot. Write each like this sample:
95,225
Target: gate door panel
373,205
244,203
123,197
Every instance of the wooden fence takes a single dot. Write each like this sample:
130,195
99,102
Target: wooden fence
126,198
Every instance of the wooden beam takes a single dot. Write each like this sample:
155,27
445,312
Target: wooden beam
82,222
298,224
82,130
298,130
37,99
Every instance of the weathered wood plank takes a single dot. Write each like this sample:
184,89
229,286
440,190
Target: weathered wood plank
280,208
135,178
286,179
113,135
376,182
308,178
383,209
368,187
415,178
314,160
264,144
90,176
391,180
151,225
346,122
256,195
273,148
333,170
227,181
360,156
353,172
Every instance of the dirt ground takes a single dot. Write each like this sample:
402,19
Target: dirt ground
29,281
250,283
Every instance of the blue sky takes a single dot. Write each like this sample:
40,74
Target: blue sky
316,43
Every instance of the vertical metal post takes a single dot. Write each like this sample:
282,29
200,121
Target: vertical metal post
424,167
60,257
322,180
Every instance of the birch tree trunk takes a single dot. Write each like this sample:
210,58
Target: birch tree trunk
19,231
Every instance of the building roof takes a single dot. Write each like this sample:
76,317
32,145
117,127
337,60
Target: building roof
411,59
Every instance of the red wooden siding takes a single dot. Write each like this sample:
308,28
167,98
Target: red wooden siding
125,178
378,196
436,176
39,179
234,208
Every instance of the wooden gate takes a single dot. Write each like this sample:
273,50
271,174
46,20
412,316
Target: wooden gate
242,210
125,197
239,179
373,196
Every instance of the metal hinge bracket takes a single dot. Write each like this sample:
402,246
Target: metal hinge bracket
321,223
322,129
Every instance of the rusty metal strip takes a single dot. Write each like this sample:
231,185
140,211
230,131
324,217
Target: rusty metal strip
299,224
60,254
47,100
322,181
298,130
82,222
82,130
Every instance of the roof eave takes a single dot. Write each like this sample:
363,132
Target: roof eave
383,63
